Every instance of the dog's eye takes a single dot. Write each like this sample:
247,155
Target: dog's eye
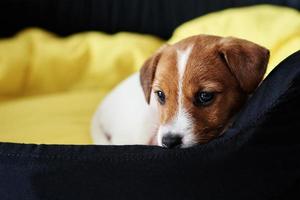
161,97
203,98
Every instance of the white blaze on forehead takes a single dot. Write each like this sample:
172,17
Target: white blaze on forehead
182,122
182,59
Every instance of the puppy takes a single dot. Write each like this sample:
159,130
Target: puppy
185,94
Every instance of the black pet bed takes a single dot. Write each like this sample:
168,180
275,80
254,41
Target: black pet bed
257,158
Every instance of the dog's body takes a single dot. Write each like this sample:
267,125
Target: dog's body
199,84
124,117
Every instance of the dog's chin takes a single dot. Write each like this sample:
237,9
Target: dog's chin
188,141
182,146
188,145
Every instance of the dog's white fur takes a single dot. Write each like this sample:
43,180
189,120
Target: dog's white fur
125,115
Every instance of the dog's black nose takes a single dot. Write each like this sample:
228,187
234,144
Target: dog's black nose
171,141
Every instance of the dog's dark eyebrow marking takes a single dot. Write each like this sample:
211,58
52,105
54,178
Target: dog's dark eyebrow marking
212,85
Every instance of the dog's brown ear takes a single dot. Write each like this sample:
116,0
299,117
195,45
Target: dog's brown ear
246,60
147,73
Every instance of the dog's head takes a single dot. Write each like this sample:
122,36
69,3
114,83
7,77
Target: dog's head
199,84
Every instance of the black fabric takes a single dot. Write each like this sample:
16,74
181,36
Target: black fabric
257,158
157,17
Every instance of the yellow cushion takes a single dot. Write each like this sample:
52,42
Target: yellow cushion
277,28
38,62
50,86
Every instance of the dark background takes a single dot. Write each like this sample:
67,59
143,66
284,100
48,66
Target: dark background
157,17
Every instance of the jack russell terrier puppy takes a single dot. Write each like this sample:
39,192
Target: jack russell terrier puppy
186,93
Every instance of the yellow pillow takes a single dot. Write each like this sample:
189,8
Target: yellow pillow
38,62
277,28
50,86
